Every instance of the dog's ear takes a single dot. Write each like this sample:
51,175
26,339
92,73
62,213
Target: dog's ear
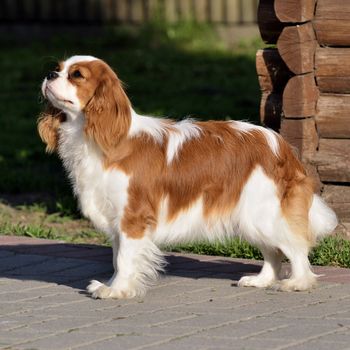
48,124
108,113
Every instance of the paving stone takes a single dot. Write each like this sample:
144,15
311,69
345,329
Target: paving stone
58,341
52,266
123,341
5,253
320,308
320,345
199,343
17,261
246,328
9,285
112,327
341,336
302,329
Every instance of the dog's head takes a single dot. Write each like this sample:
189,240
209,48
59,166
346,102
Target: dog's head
84,87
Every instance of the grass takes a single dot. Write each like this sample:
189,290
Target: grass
234,248
331,251
45,232
169,70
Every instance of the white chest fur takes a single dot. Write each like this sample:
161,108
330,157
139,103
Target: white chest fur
102,194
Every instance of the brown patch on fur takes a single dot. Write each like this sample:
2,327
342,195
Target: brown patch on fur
296,192
105,104
48,124
145,163
215,167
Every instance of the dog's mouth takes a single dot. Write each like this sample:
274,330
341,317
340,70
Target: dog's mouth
56,97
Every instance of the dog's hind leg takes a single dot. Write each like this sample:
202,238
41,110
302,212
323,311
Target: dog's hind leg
302,278
269,273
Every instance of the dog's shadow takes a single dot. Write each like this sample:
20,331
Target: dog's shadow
197,266
74,265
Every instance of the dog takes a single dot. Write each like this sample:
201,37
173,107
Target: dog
147,181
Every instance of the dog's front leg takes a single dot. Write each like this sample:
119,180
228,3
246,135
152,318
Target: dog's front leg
137,263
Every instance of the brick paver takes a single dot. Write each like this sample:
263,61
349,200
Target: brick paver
196,305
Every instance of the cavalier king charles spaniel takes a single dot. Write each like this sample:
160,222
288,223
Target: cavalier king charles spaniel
147,181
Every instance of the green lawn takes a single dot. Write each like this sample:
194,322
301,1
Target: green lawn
174,71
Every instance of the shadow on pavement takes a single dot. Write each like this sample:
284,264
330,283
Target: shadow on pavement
74,265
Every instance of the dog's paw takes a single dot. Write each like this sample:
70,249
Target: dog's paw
99,290
93,286
255,281
295,285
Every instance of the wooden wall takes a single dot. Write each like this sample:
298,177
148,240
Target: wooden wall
132,11
305,83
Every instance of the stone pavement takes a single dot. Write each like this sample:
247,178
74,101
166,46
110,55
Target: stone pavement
196,305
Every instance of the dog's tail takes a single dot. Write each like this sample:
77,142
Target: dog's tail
322,218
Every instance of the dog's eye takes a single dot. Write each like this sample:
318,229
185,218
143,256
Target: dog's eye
77,74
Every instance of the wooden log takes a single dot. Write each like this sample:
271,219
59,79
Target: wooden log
333,160
338,197
170,13
154,9
137,13
122,11
295,11
333,116
232,11
297,45
269,25
333,69
200,10
300,96
216,13
272,72
332,22
248,11
271,110
301,134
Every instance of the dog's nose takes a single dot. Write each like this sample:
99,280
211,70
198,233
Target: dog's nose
52,75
